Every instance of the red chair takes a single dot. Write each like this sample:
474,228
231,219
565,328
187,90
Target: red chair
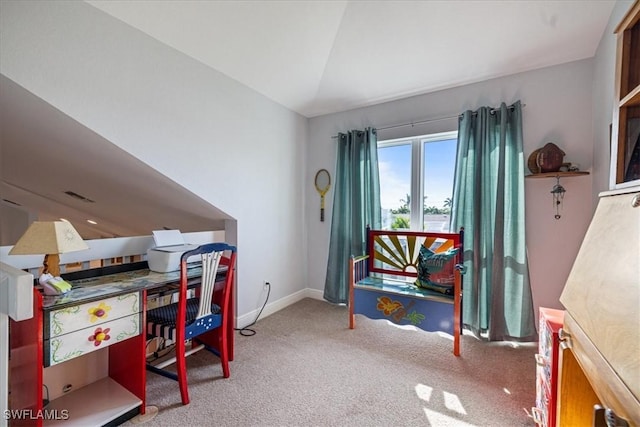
202,319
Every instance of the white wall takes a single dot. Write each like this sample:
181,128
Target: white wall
246,155
226,143
558,109
14,222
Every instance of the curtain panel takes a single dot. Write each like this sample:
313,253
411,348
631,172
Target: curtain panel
356,204
489,202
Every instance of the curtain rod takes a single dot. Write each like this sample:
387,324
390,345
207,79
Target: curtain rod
417,123
430,120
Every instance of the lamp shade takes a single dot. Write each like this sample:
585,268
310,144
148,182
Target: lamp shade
49,237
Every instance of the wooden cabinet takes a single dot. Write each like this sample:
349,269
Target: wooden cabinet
550,322
625,135
600,357
58,348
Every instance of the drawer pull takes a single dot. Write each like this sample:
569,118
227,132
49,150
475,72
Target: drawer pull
565,339
536,414
613,420
99,312
635,202
100,335
607,417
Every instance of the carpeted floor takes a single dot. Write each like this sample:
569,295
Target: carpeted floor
304,367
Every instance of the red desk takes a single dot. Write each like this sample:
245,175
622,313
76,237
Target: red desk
45,342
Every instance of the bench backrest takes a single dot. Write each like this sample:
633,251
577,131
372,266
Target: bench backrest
396,252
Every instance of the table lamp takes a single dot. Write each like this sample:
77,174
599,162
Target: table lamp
50,238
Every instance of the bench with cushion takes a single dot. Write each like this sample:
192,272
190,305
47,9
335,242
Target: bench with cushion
410,278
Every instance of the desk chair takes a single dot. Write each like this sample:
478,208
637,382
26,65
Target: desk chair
203,319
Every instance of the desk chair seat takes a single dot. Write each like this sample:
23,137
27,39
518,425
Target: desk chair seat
203,319
161,321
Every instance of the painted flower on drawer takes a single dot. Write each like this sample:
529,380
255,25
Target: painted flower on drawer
100,335
101,312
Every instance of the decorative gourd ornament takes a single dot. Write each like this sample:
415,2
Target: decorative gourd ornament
550,158
532,161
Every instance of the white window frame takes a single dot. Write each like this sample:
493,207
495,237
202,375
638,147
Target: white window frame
416,221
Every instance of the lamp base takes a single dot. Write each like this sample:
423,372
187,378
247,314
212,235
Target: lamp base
51,264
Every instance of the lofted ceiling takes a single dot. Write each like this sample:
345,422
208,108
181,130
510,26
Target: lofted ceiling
313,57
319,57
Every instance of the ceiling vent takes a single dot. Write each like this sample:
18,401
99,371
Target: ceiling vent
78,197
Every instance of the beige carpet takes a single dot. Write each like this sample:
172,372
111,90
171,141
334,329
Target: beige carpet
304,367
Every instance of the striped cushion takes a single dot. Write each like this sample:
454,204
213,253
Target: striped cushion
161,321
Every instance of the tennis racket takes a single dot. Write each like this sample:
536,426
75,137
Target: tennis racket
323,182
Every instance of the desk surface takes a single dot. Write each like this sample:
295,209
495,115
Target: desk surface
121,282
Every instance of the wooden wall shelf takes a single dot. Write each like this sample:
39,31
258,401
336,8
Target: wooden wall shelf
556,174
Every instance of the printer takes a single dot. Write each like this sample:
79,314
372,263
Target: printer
169,247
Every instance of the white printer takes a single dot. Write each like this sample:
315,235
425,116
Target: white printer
170,246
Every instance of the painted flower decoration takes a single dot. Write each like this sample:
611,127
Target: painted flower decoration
100,335
387,306
99,312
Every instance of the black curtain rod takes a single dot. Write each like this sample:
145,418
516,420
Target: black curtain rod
493,110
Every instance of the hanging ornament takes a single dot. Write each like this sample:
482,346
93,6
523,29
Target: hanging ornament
558,194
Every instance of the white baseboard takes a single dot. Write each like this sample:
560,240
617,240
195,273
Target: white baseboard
315,294
278,305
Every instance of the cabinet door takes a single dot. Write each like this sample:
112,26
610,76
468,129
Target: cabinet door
602,291
576,398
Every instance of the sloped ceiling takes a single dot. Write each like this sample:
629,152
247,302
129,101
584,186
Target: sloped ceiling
319,57
128,197
313,57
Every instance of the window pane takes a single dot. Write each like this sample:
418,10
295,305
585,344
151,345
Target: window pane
439,164
394,163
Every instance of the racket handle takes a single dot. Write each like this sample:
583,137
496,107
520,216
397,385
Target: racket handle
322,214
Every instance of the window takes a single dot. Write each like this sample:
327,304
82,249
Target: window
416,181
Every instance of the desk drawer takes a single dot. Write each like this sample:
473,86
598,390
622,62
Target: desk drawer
71,319
65,347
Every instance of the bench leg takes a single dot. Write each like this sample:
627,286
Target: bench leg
456,344
352,320
352,317
456,330
457,315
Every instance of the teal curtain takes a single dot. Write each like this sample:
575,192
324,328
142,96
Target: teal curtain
356,204
488,201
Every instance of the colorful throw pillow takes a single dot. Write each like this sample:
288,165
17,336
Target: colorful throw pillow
431,265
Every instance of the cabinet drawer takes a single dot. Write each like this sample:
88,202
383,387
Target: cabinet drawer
65,347
541,410
70,319
543,368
